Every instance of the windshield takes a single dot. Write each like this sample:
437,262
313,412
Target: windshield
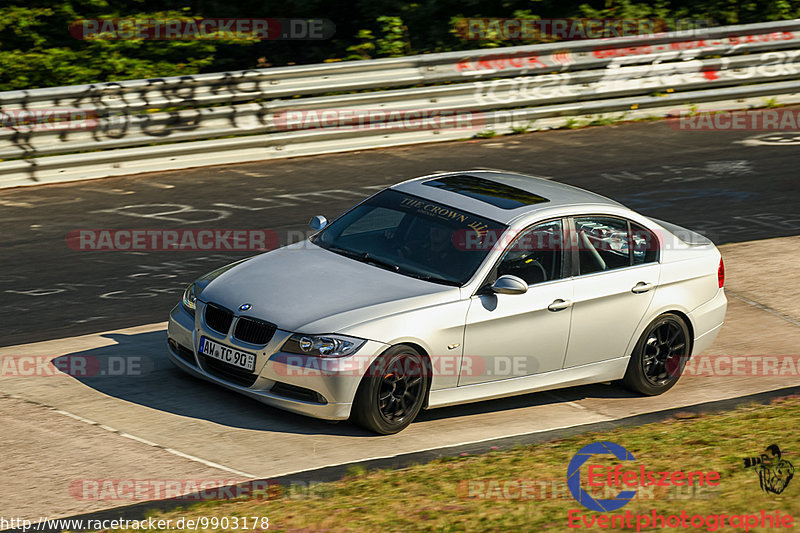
413,236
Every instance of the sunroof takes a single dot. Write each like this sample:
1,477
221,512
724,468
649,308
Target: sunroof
491,192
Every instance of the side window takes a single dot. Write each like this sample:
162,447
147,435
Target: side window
603,243
645,245
536,255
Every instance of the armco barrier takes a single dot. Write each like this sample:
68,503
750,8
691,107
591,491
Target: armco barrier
170,123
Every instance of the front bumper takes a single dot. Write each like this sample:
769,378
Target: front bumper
311,386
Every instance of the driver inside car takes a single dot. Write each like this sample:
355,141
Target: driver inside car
438,247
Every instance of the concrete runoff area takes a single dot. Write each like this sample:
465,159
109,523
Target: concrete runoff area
164,425
732,186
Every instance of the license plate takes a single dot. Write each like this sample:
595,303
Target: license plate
226,354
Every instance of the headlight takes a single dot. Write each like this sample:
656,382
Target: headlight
190,298
322,345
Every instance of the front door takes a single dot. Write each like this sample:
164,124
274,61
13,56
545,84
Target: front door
516,335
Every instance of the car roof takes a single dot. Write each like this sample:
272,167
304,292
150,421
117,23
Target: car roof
500,205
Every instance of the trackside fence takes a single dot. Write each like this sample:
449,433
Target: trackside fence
90,131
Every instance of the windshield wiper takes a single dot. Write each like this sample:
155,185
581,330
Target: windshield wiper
379,262
434,279
343,251
365,257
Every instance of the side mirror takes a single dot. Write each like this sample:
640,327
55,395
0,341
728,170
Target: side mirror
509,284
318,222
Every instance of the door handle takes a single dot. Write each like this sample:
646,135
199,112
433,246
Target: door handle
642,287
559,305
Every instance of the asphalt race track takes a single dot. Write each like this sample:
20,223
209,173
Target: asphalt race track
146,420
733,186
159,423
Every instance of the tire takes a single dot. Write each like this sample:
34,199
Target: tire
659,356
392,392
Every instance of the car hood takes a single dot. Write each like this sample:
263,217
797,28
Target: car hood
305,288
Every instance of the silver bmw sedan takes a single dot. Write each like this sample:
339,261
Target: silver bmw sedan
453,288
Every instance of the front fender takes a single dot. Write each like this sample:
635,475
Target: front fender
437,329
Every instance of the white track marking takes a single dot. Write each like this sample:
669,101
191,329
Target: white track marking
12,203
763,307
140,440
567,402
108,191
447,446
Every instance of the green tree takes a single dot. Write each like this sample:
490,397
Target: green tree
36,50
393,40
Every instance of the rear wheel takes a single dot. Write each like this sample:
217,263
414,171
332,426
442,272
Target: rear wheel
659,356
392,393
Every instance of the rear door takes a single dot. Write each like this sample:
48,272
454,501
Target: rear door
616,273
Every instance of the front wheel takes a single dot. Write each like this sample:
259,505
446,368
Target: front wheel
659,357
392,392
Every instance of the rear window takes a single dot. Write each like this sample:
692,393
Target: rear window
491,192
686,235
607,243
645,245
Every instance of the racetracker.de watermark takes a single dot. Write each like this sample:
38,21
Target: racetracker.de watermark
556,489
77,366
181,489
357,366
380,119
757,120
170,240
462,240
740,365
202,29
198,489
523,240
566,29
48,119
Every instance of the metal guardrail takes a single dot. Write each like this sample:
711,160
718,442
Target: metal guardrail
168,123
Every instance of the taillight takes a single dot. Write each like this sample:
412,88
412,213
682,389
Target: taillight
721,273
